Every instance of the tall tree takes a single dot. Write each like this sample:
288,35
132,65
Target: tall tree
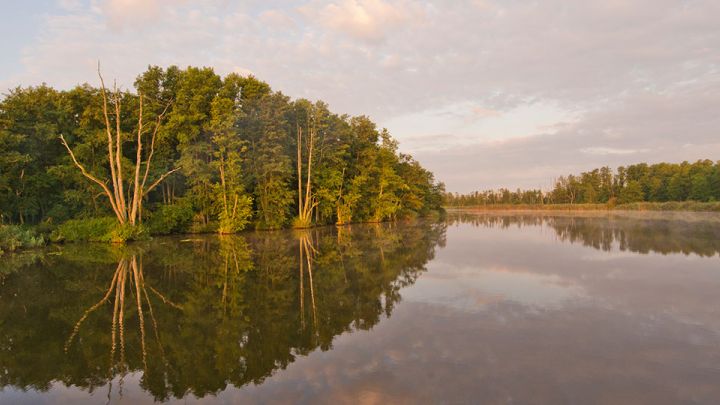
127,210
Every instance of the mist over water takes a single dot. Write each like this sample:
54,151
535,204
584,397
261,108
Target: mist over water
480,307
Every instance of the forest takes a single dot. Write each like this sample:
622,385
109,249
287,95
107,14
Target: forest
637,183
191,151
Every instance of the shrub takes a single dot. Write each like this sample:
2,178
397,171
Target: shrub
13,237
128,232
199,227
85,230
301,223
168,219
238,218
104,229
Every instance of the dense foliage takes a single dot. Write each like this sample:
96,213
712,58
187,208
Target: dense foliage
662,182
13,237
232,139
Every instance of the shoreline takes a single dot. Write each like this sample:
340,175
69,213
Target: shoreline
670,206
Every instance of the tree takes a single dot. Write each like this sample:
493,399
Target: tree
632,192
234,205
231,137
125,211
271,163
385,202
309,202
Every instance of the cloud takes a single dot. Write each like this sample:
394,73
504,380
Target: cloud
600,150
590,78
123,14
481,112
366,20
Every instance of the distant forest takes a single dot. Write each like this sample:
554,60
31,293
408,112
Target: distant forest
662,182
189,150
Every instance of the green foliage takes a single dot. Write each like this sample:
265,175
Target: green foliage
233,139
170,219
301,223
237,217
632,192
662,182
85,230
128,232
105,229
13,237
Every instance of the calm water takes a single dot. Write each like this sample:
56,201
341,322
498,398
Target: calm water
480,308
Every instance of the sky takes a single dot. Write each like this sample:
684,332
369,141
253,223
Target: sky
484,93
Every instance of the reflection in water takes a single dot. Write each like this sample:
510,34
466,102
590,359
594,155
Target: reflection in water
664,233
222,309
496,308
129,273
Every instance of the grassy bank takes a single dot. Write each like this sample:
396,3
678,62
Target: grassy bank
692,206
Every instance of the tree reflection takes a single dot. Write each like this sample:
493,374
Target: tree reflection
640,233
198,314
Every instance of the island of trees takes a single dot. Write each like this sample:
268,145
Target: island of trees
191,151
692,186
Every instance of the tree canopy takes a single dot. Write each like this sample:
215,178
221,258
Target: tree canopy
227,149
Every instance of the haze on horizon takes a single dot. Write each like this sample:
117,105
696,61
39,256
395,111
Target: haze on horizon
484,93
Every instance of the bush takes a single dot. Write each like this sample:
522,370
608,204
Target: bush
85,230
128,232
199,227
238,218
300,223
104,229
168,219
13,237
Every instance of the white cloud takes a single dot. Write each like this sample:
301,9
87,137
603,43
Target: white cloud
367,20
574,84
600,150
125,14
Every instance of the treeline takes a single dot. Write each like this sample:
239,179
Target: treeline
190,150
662,182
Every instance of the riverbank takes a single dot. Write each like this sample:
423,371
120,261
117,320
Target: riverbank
106,230
690,206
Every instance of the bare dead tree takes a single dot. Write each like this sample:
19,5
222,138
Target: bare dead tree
127,209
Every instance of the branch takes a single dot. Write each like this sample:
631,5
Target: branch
118,152
137,190
158,181
111,156
104,299
152,145
91,177
165,300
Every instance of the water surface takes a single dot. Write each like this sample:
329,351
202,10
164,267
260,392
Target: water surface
478,308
